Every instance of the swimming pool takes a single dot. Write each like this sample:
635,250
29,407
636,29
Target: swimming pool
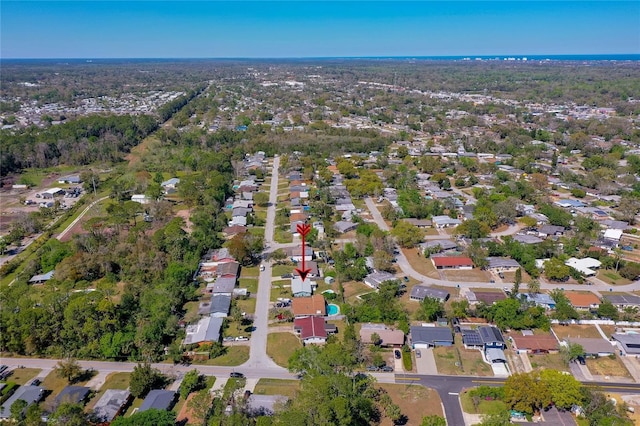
333,309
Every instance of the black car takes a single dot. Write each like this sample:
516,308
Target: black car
236,375
581,360
35,382
397,354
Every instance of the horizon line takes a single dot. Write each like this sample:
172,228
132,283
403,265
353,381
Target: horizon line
471,56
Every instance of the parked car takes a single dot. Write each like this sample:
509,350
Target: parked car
286,276
406,279
242,338
262,268
236,375
418,353
397,354
501,275
387,369
229,339
581,360
372,368
492,281
3,367
35,382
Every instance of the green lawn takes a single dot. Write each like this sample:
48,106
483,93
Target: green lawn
277,291
247,305
249,272
280,347
23,375
279,270
277,387
282,236
256,230
235,355
251,284
484,406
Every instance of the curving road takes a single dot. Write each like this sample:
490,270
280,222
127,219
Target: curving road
598,286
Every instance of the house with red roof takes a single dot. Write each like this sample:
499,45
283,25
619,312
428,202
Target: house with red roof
452,262
311,329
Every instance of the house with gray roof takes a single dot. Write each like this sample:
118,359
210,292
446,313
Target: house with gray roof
111,404
502,264
550,230
527,239
441,245
300,288
223,285
72,395
217,306
374,280
29,394
158,399
622,301
344,226
444,221
541,299
594,347
629,342
421,292
205,330
428,337
265,405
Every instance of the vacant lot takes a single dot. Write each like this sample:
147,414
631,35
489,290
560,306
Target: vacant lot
459,361
280,347
568,331
611,277
475,275
280,290
354,288
421,264
483,407
279,270
548,361
277,387
414,401
235,355
608,366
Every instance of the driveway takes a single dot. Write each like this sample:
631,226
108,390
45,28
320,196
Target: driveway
426,364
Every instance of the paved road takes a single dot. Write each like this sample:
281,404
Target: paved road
597,287
258,358
254,372
449,388
77,219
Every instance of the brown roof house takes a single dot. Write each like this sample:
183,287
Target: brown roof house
534,343
583,300
388,337
309,306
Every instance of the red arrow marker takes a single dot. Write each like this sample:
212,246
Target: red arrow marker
303,229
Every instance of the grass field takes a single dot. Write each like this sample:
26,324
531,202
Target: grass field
278,289
607,366
353,289
247,305
548,361
287,388
235,355
474,275
280,347
421,264
460,361
611,277
282,236
23,375
414,401
279,270
251,284
575,330
249,272
484,407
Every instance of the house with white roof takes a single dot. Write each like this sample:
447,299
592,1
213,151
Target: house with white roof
585,265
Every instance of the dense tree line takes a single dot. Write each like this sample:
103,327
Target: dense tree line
79,142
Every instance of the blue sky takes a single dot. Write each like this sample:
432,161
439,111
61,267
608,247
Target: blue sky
209,29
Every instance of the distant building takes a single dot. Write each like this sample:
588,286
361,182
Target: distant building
421,292
158,399
374,280
452,262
